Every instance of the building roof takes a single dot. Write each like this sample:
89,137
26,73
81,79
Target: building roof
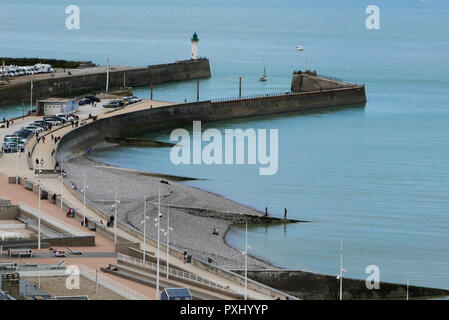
177,292
56,100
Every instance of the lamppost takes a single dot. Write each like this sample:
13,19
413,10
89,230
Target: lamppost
408,283
158,220
246,259
17,160
84,194
144,222
168,237
61,177
116,202
39,211
340,275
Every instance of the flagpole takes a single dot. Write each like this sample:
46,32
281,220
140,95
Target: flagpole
62,170
158,247
341,270
246,259
31,97
144,228
168,237
107,76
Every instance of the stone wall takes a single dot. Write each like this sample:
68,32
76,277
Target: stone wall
311,286
302,82
93,82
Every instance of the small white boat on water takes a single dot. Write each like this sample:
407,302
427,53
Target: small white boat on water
300,47
264,76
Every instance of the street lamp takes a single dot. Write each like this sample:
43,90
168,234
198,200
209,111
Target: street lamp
144,222
246,259
84,194
340,275
158,220
17,160
39,209
61,177
116,202
168,237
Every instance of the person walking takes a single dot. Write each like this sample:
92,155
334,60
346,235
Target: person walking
37,162
42,162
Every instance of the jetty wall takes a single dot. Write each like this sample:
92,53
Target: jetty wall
96,81
175,116
311,286
305,82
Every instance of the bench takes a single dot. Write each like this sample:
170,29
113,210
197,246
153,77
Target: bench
20,252
8,265
74,251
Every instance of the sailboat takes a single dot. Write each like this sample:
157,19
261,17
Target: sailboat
264,77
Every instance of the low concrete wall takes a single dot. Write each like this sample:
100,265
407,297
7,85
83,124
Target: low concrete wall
9,212
81,84
312,286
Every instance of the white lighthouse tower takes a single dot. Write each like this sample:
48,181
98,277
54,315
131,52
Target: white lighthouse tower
195,41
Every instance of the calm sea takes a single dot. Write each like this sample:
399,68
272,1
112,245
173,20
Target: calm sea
376,178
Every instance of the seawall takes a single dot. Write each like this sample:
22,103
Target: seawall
174,116
307,82
88,82
312,286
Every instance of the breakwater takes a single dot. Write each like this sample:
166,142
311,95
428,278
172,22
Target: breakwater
312,286
93,80
174,116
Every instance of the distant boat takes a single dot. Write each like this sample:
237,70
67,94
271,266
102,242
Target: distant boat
300,47
264,77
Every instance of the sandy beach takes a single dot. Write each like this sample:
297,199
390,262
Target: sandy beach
190,232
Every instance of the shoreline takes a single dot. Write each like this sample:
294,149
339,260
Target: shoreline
197,238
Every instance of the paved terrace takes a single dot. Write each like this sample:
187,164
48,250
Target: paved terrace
17,193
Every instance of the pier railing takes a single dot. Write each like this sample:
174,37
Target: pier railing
282,94
174,272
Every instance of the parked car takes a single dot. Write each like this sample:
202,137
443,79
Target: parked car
41,123
93,98
53,120
84,101
113,104
34,128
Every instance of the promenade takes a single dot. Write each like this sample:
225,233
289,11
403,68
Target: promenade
17,194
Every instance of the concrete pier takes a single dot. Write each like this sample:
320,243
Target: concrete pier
87,80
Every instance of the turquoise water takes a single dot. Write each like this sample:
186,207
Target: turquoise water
376,178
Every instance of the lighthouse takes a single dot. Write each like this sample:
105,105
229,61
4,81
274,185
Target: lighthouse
195,41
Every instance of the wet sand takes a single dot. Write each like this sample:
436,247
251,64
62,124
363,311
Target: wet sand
190,232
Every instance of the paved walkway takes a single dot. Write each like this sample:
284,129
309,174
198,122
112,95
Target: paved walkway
17,193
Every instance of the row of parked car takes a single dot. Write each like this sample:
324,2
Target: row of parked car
16,142
121,102
16,71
